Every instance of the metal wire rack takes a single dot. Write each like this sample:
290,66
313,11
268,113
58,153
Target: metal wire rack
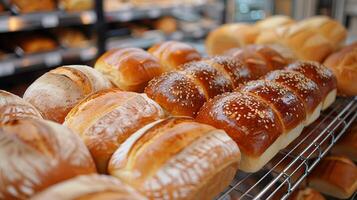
288,169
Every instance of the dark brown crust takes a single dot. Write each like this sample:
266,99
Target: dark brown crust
251,123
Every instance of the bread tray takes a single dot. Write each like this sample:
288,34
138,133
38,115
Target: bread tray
289,168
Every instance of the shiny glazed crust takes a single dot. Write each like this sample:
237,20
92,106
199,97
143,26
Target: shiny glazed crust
36,154
189,157
129,69
56,92
90,187
335,176
172,54
13,107
107,118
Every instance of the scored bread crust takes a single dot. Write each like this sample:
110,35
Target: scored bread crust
107,118
188,157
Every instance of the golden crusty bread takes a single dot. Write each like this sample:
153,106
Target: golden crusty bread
36,153
76,5
177,158
90,187
107,118
13,107
230,36
56,92
26,6
273,22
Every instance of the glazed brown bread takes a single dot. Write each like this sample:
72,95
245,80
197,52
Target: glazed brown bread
273,22
347,145
37,153
192,160
306,89
250,122
13,107
129,69
331,29
184,92
230,36
26,6
76,5
90,187
322,76
107,118
172,54
344,65
335,176
260,59
56,92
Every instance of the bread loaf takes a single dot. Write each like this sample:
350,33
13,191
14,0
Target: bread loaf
36,44
347,145
344,64
250,122
273,22
56,92
335,176
90,187
37,153
13,107
260,59
76,5
191,160
129,69
107,118
184,92
306,89
172,54
25,6
331,29
230,36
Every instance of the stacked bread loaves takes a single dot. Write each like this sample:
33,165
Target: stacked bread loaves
259,117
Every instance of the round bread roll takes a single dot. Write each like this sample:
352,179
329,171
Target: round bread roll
107,118
274,21
344,65
177,159
13,107
76,5
172,54
129,69
36,154
306,89
322,76
331,29
230,36
260,59
250,122
291,112
90,187
167,25
56,92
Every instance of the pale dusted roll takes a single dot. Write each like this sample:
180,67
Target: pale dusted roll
250,122
56,92
230,36
274,21
90,187
331,29
344,65
107,118
13,107
177,159
36,154
347,145
129,69
260,59
335,176
306,89
322,76
172,54
291,112
184,92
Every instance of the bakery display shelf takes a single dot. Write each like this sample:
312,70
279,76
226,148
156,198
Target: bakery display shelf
54,58
33,21
136,13
287,170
